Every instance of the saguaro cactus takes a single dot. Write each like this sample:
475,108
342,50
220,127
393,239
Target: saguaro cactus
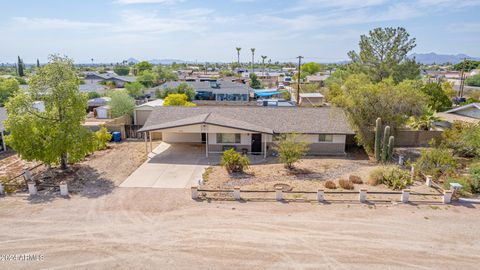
378,138
386,136
391,142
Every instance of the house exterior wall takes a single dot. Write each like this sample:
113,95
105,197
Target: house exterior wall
173,137
470,112
315,147
141,116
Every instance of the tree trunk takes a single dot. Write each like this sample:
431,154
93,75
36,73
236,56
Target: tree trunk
63,161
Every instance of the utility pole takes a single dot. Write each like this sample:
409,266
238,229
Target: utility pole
462,78
298,79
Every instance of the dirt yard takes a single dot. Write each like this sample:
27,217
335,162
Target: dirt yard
309,174
134,228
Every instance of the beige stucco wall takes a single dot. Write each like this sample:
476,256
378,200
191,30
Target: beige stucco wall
142,116
171,137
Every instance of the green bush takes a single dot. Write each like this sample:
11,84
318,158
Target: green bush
92,95
437,162
463,138
392,176
291,149
102,137
233,161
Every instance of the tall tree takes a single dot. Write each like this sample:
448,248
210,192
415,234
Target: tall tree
253,59
53,134
382,51
263,62
20,67
8,87
38,63
238,55
121,103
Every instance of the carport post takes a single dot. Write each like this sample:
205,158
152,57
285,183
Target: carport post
146,144
151,146
206,144
264,139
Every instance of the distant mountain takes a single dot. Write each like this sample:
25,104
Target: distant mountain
132,60
167,61
433,58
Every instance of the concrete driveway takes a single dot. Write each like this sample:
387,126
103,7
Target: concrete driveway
172,166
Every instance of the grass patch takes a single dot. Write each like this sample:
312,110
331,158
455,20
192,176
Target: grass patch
206,174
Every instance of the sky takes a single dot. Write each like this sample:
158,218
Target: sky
111,31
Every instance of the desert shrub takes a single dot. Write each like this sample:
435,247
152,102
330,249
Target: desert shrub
8,180
346,184
102,137
463,138
355,179
330,184
392,176
464,181
233,161
291,149
437,162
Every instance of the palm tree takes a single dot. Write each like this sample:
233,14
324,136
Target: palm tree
424,122
253,59
238,55
263,62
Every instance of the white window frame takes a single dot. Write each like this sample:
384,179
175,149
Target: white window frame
220,136
325,136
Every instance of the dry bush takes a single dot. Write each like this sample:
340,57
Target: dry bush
355,179
330,185
346,184
376,177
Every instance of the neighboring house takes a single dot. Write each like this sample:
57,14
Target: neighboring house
97,102
92,87
102,112
142,112
97,78
216,90
3,117
251,129
311,99
275,103
469,113
320,79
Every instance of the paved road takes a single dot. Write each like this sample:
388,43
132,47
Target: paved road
173,166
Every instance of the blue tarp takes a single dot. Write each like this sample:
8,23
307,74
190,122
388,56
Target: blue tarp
266,94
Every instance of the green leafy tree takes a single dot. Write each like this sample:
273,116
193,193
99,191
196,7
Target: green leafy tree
310,68
55,135
148,78
182,88
8,87
255,82
473,81
467,65
438,99
140,67
365,101
134,89
121,70
291,148
121,103
177,100
164,74
383,53
20,67
92,95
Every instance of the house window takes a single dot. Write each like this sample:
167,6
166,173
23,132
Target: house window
228,137
325,138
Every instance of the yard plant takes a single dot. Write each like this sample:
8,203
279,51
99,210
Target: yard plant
346,184
392,176
291,149
437,162
234,162
102,137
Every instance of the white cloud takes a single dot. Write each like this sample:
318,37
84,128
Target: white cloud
54,23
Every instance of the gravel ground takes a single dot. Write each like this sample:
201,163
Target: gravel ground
133,228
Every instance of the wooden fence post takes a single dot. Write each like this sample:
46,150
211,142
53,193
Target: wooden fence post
278,193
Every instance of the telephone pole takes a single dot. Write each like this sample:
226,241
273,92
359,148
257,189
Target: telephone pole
298,79
462,78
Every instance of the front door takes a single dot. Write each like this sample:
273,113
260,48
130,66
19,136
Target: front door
256,143
204,138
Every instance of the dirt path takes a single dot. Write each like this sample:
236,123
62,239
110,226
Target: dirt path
163,229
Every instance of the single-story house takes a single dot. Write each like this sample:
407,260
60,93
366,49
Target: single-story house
96,78
97,102
469,113
216,90
142,111
102,112
250,129
311,99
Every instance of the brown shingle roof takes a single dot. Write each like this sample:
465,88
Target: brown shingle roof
261,119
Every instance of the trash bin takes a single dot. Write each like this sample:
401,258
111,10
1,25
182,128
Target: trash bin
116,136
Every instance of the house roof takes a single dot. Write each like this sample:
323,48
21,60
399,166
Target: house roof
259,119
151,104
452,117
225,87
309,95
464,107
110,76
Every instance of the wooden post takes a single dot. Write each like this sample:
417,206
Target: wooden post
146,144
151,145
206,144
